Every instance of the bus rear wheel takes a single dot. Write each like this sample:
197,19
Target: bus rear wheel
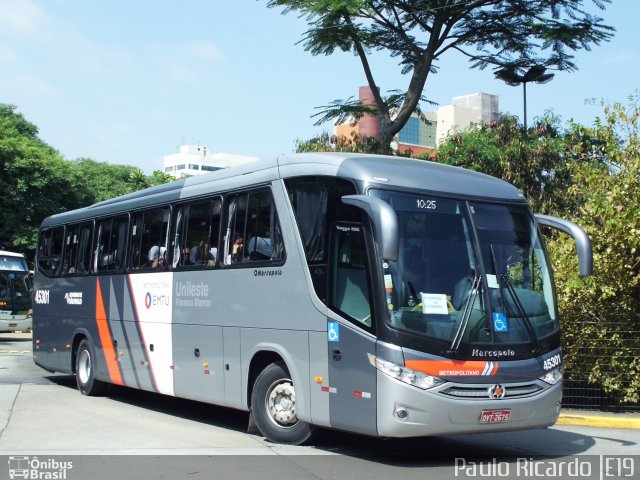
273,405
85,371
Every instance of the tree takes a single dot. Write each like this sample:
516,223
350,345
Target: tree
605,307
35,180
538,163
332,143
513,34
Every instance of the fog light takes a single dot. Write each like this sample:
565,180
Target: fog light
402,413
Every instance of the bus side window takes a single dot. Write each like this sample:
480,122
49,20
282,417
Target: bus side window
148,239
196,237
50,251
350,292
253,232
110,244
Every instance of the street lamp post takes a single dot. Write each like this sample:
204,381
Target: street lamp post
535,74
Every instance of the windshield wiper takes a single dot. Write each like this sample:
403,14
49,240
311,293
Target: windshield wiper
503,279
468,307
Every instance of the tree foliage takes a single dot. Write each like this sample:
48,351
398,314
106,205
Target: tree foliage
606,306
492,33
539,162
334,143
37,181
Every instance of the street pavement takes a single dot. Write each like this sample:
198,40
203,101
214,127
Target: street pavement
43,415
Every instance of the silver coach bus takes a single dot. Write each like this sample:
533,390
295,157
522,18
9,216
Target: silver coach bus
16,283
372,294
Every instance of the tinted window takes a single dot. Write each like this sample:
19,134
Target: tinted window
253,232
77,250
196,234
350,293
50,251
317,205
111,239
149,235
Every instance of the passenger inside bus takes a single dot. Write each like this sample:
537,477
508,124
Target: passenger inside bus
157,257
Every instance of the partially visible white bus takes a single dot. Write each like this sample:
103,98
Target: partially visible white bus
16,282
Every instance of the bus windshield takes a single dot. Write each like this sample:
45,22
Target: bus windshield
15,263
468,272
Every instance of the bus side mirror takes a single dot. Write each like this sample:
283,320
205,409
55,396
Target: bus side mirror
384,219
583,242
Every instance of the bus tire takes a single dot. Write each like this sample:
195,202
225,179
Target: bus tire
85,371
273,407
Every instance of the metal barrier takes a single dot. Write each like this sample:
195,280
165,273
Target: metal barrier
602,363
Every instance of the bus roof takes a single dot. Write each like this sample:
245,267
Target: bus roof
11,254
369,170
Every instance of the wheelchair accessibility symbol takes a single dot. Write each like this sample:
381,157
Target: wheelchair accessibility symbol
333,332
500,322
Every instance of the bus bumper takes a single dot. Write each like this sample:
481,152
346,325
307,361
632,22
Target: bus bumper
16,325
429,413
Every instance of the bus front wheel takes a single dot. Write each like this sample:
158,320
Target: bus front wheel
273,405
85,371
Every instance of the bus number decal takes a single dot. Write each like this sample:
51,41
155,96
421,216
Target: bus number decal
426,204
552,362
42,297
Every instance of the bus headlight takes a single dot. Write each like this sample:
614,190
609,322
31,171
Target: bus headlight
404,374
552,377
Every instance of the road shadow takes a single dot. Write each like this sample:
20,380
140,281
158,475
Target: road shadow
8,338
408,452
201,412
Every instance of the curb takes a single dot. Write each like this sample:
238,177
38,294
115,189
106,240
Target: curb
598,421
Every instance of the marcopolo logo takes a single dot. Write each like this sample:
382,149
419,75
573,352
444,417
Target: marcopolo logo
36,469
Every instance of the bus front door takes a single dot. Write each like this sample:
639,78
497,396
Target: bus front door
352,378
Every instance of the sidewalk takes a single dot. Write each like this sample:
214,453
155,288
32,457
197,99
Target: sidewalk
585,418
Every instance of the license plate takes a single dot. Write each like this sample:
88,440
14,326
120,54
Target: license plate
13,324
495,416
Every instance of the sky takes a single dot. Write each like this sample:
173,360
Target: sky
128,82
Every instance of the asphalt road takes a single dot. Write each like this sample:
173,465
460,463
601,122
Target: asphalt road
134,434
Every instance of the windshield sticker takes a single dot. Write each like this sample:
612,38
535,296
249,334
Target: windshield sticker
500,323
492,281
434,303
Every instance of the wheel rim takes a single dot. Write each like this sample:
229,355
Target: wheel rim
84,367
281,403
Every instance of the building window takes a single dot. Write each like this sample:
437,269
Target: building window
168,169
194,167
180,167
410,132
209,168
418,132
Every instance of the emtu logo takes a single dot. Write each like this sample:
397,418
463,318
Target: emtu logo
156,300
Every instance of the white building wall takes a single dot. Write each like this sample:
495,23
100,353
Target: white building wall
197,160
464,112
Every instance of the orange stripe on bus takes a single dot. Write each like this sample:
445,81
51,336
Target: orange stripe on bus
450,368
105,339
